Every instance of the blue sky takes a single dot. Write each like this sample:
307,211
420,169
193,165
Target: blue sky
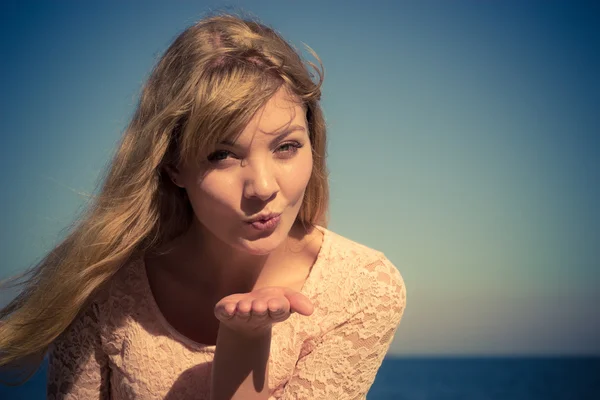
463,143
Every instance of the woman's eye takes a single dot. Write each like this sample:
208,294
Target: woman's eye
291,147
218,156
286,148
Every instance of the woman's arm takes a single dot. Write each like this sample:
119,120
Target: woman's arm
78,368
240,366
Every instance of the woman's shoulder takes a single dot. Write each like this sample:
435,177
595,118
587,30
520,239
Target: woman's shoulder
345,251
123,290
344,247
364,268
121,304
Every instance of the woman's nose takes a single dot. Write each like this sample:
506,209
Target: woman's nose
260,181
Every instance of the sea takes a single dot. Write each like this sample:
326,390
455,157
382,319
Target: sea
446,378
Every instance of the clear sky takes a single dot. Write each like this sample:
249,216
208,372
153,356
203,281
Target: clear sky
464,143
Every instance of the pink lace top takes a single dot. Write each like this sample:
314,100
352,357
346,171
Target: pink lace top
121,347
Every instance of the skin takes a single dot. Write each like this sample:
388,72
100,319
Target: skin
266,169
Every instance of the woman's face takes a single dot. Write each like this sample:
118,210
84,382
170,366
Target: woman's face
266,170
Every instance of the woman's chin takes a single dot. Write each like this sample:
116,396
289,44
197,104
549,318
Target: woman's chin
260,249
262,246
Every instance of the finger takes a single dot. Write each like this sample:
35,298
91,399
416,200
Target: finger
224,311
230,309
277,304
259,308
299,303
278,308
244,308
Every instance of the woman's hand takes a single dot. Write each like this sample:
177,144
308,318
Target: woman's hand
255,312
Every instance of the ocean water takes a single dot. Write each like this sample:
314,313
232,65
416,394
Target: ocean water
493,378
454,378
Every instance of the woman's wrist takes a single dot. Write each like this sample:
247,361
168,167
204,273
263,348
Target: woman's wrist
240,366
249,335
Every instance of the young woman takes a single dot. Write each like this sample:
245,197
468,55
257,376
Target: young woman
204,268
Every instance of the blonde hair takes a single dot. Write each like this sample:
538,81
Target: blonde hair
206,87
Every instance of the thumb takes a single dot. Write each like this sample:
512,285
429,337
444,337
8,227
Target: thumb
299,303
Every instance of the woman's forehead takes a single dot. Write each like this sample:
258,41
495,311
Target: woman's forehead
281,114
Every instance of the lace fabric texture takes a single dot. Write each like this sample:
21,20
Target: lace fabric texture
121,347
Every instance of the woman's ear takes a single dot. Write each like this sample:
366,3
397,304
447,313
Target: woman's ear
174,174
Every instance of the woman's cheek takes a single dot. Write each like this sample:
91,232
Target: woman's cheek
304,170
213,194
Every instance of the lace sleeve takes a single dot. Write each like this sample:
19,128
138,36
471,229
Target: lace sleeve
78,368
344,363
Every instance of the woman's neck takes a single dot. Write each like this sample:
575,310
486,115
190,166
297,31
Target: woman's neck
201,260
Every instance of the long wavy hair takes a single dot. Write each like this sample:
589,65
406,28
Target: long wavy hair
205,88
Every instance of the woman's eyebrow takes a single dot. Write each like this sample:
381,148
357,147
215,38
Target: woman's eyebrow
284,133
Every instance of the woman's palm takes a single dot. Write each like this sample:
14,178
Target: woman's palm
255,312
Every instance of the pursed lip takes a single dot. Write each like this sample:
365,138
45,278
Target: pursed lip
263,217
